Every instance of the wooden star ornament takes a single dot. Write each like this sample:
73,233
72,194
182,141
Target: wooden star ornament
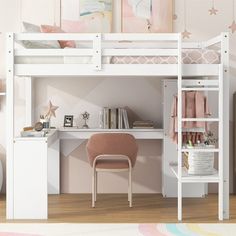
233,26
51,110
186,34
213,11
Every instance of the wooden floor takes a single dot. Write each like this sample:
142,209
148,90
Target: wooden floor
113,208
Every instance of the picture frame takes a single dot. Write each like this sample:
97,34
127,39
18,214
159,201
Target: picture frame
147,16
83,16
68,121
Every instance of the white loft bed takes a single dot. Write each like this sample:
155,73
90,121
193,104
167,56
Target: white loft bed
98,46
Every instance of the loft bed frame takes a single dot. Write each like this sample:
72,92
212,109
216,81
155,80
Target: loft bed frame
109,45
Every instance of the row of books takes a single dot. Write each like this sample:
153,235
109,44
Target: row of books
115,118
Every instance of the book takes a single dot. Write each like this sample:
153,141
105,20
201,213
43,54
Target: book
113,118
125,118
120,118
141,127
143,124
105,118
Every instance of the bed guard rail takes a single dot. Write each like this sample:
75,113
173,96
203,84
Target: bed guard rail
97,45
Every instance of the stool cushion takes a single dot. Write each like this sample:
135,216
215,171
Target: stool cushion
112,164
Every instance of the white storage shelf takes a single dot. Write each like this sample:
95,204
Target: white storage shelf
187,178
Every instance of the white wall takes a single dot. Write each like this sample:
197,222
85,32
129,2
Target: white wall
142,95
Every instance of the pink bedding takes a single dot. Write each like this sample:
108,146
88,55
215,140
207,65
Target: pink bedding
190,56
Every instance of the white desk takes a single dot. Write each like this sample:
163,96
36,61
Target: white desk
74,133
37,167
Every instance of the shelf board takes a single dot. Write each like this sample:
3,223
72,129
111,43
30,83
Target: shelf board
200,89
73,132
200,150
2,93
200,119
108,130
187,178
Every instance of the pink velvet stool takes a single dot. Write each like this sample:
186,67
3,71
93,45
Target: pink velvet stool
112,152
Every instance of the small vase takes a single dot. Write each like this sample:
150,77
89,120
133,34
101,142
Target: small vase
85,126
47,124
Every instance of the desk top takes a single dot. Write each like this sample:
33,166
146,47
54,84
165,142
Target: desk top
75,133
49,138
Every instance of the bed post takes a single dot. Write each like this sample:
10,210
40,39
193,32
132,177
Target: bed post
225,63
97,51
10,126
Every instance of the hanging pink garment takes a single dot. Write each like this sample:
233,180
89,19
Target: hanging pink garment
194,105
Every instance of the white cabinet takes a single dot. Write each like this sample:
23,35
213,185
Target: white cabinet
32,182
30,179
169,181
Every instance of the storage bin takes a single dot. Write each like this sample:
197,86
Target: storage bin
199,163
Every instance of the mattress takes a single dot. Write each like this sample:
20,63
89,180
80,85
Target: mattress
189,56
193,56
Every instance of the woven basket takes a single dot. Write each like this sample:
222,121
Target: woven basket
199,163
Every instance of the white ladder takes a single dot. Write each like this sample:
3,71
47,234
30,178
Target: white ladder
192,85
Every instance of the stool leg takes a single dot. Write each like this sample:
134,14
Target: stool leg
130,187
96,185
128,190
93,189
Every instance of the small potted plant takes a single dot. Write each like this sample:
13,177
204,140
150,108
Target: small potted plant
209,139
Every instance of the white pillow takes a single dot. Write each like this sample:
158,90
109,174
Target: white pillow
31,28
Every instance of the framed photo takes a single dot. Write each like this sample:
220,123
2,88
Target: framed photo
86,16
68,121
147,16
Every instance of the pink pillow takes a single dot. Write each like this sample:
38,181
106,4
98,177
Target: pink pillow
55,29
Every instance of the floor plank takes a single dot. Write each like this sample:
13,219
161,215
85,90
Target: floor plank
113,208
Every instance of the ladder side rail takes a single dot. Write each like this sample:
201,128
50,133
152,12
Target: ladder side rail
179,127
226,139
10,39
220,143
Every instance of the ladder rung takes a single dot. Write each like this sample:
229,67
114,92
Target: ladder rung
200,150
197,82
201,119
200,89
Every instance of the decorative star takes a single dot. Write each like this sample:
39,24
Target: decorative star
186,34
233,26
51,110
213,11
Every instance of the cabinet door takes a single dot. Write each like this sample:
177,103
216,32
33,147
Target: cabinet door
169,181
30,179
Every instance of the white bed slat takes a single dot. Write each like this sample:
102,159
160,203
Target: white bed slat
141,37
149,45
140,52
54,52
54,36
213,41
109,37
114,70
